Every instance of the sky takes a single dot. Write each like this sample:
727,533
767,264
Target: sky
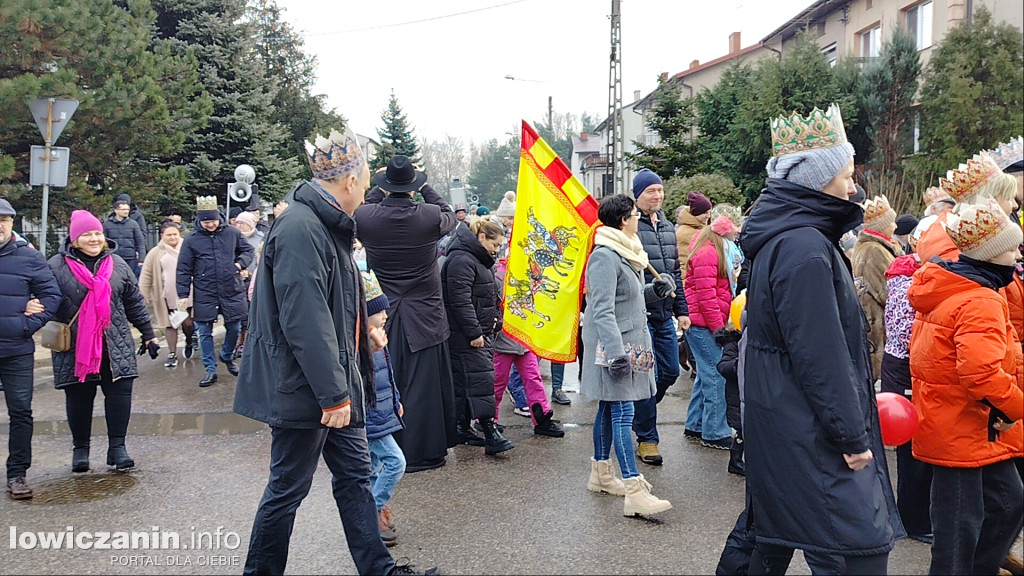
447,60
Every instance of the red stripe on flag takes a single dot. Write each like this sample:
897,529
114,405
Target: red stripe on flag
557,172
530,136
587,210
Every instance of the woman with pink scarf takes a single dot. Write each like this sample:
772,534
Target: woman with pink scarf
100,297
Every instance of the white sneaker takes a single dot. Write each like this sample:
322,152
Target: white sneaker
522,412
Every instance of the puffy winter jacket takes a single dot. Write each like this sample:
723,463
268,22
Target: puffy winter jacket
963,353
709,297
660,246
126,234
688,229
899,314
23,275
807,388
126,305
383,419
206,263
872,256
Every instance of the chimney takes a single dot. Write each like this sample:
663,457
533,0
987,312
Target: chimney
584,135
694,64
734,42
636,95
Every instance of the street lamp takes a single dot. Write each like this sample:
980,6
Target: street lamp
551,125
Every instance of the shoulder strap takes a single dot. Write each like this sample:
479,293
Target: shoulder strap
75,317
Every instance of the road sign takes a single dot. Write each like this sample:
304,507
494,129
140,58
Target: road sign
59,160
62,112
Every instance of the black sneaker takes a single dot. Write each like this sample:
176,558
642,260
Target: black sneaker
691,435
172,361
403,567
721,444
189,343
559,397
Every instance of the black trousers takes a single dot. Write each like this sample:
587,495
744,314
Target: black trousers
117,406
16,378
294,455
771,559
977,513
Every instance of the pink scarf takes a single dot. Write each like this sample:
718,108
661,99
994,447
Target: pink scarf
93,316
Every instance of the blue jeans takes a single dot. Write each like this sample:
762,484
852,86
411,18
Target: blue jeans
517,390
227,350
16,377
387,466
557,376
976,515
611,425
294,455
706,413
666,372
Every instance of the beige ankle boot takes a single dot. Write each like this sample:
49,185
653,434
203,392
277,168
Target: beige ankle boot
640,501
602,478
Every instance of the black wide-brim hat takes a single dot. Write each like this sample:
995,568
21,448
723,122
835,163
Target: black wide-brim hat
400,176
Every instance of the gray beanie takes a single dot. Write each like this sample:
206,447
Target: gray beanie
812,168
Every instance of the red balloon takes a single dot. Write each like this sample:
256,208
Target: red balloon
898,418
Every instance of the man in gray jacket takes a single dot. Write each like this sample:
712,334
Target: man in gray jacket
308,369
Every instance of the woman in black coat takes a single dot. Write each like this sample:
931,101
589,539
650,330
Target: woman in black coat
471,303
102,352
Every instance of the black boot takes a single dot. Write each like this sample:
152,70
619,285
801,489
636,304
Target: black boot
117,455
736,465
80,459
494,442
467,435
545,425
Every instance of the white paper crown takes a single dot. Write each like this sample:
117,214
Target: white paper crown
335,155
1008,153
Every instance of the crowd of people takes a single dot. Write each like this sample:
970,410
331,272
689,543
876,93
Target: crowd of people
365,327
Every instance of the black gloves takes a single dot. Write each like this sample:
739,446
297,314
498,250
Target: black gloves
620,366
154,350
664,285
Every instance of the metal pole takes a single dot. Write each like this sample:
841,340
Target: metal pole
551,125
46,175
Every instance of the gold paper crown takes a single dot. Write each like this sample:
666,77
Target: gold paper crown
933,194
973,225
798,134
1008,153
963,183
371,286
876,208
733,213
335,155
206,202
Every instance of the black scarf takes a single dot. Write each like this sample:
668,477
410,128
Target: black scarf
994,276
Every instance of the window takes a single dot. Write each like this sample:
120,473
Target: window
830,54
870,41
919,24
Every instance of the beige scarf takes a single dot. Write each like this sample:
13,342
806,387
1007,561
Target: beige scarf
629,247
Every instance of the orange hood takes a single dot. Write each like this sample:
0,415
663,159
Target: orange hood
933,284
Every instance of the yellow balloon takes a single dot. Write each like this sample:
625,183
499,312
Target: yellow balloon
736,310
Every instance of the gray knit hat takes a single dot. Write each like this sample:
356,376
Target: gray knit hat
811,168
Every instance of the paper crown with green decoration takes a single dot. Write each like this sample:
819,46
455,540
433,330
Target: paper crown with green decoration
797,133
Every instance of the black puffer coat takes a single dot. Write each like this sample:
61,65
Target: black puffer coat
126,305
24,275
207,264
660,246
808,391
471,303
127,236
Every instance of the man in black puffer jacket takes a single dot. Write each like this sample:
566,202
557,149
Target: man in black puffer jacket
659,239
29,296
211,261
126,234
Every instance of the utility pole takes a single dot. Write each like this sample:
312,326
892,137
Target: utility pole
551,125
616,148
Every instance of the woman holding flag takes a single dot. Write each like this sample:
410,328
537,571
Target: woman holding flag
618,361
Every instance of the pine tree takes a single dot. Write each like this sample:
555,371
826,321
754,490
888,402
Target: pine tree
396,136
972,93
889,86
677,152
138,102
241,129
280,50
496,172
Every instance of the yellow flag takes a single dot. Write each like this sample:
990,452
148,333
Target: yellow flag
551,239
